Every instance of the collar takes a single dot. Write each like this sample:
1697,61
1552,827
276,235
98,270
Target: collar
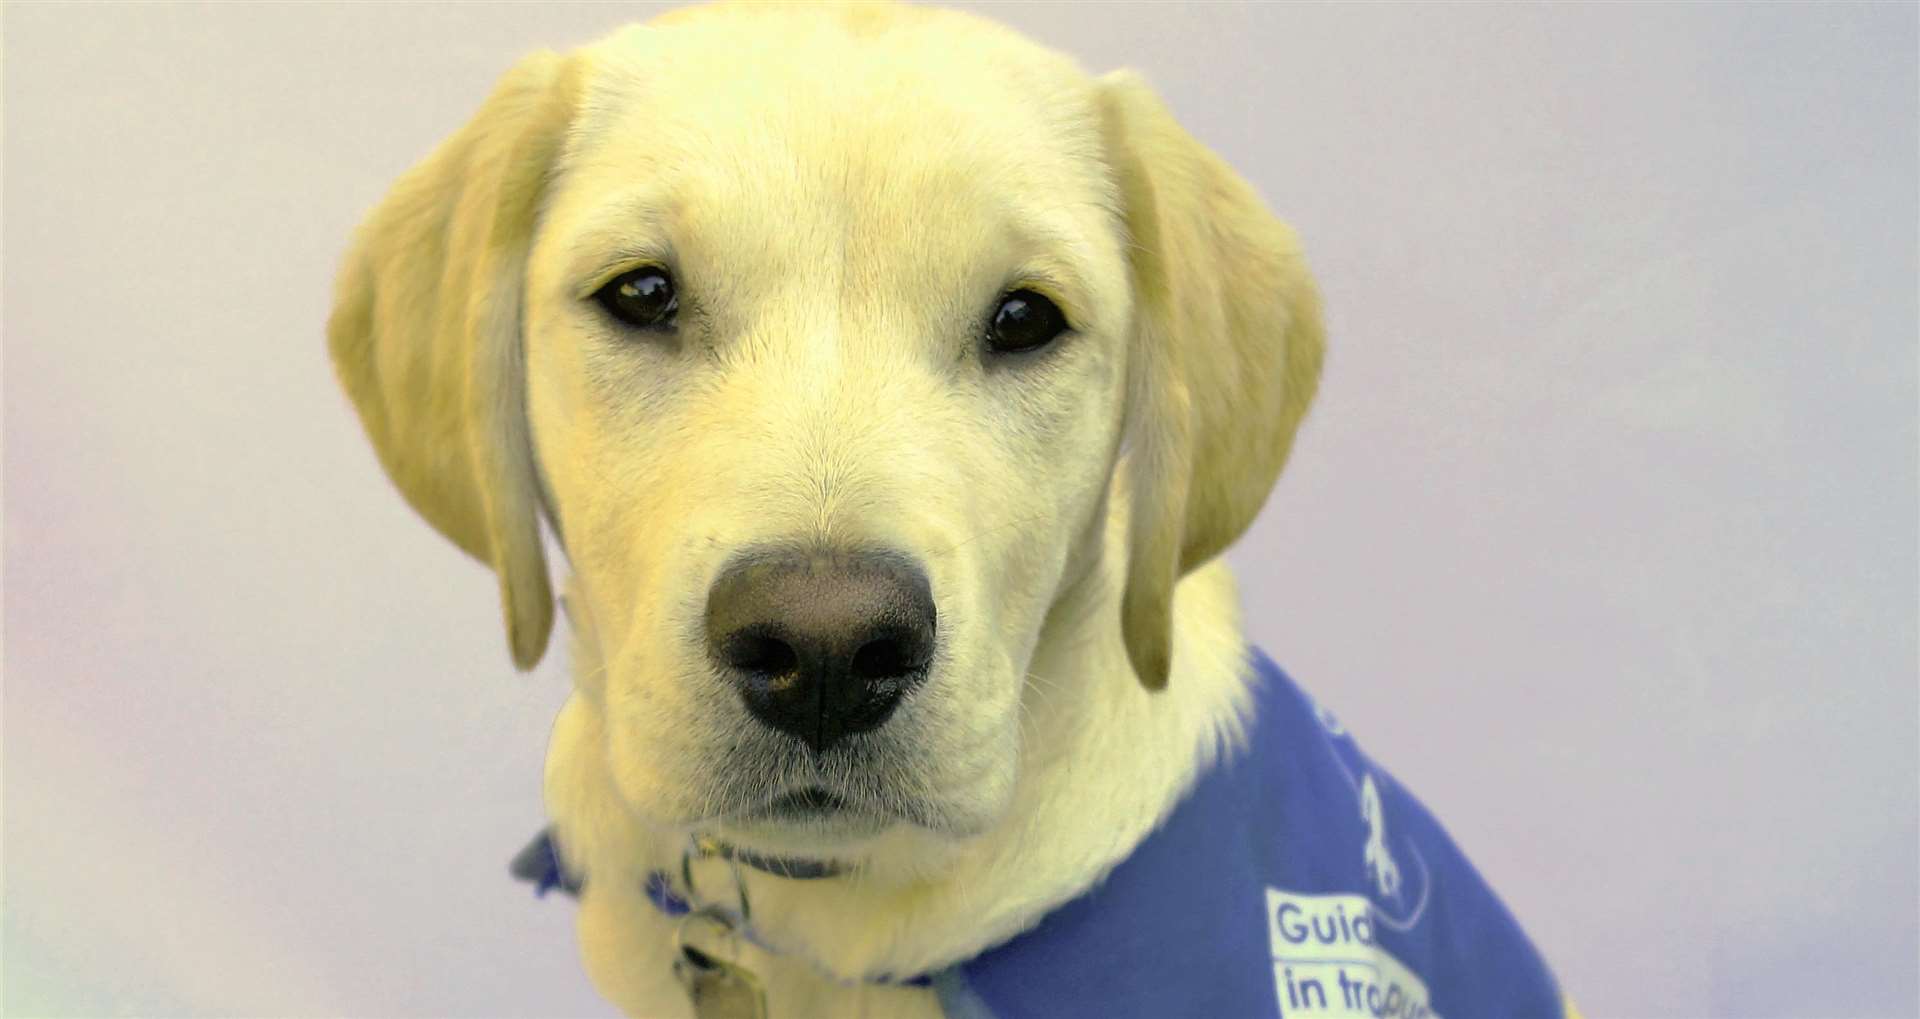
794,868
541,865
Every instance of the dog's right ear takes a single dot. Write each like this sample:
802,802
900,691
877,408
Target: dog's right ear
426,334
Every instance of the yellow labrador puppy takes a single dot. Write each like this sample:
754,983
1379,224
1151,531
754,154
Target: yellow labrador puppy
891,386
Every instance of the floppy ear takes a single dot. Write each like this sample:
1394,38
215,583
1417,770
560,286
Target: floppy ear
425,334
1226,356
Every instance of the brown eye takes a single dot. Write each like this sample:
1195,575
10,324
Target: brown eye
1024,321
642,298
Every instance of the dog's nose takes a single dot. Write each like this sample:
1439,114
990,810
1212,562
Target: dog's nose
821,644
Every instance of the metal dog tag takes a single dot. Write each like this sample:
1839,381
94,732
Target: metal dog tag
719,989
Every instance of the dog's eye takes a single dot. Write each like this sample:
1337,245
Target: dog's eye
1024,321
642,297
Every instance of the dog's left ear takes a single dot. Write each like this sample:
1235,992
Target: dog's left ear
1226,356
426,334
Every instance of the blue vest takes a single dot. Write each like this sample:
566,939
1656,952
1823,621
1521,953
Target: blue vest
1296,879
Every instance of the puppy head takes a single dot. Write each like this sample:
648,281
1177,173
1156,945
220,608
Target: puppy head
822,336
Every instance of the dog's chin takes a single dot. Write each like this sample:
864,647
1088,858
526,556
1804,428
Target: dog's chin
817,824
812,823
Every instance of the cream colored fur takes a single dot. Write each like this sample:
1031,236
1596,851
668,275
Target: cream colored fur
842,195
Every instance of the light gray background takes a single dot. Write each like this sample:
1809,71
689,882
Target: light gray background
1602,534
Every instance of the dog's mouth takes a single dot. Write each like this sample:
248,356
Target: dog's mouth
816,832
810,822
801,805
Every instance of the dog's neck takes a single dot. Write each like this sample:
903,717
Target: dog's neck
919,904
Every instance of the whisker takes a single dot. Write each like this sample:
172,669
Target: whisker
1046,685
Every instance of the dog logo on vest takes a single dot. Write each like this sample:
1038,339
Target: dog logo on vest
1379,862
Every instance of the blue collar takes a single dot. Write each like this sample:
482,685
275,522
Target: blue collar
541,865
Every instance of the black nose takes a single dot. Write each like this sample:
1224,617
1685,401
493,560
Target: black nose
821,644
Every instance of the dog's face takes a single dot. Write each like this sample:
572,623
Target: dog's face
856,336
820,337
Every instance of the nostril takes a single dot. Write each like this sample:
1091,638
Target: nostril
882,659
762,654
889,657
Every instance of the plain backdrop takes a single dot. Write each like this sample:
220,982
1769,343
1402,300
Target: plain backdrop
1602,535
